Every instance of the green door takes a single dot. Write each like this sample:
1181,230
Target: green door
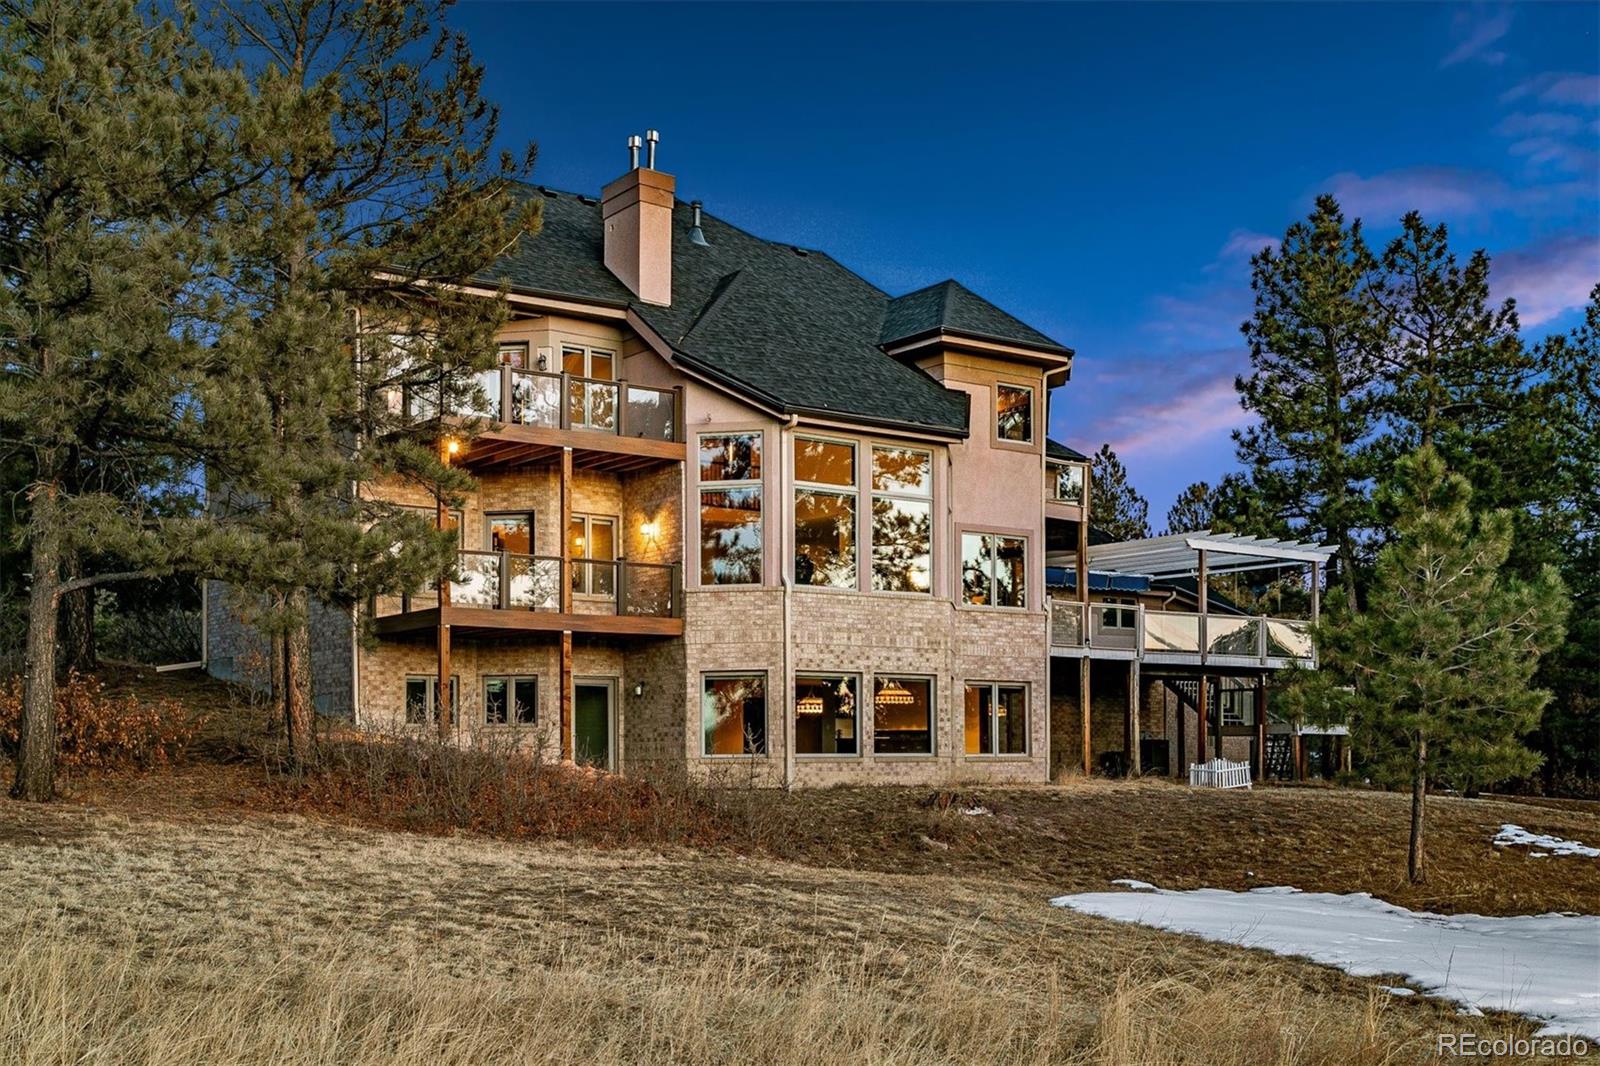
591,725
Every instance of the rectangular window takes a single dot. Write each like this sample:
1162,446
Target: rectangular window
422,698
593,537
1128,619
826,721
730,509
514,354
824,513
994,570
510,700
1065,482
902,520
996,719
733,714
509,532
1014,413
902,716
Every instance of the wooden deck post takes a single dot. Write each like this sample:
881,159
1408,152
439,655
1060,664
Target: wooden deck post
1261,727
1180,764
1083,708
1134,768
442,637
1298,752
565,492
1316,592
1202,725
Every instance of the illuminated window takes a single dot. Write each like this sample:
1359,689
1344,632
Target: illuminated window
730,509
996,719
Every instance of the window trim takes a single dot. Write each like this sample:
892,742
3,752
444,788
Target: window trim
766,713
1052,469
994,688
959,589
510,680
827,675
933,716
702,486
1033,416
852,490
873,494
533,527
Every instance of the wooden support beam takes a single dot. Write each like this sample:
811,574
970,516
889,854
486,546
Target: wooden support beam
1200,591
445,710
442,637
1299,753
566,697
1083,709
1316,592
1180,762
565,492
1261,728
1202,725
1134,767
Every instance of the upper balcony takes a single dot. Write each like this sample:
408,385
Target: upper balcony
492,590
615,425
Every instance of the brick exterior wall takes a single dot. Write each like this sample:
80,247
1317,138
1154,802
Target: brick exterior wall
237,651
866,635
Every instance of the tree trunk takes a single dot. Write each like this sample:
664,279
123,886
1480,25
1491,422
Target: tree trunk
36,749
1419,796
77,653
297,681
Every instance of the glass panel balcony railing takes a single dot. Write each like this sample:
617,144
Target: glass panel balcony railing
478,580
1171,631
1231,634
1064,482
533,583
1288,638
651,413
1066,624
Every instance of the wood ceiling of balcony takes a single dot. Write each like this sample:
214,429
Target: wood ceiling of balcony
466,621
513,447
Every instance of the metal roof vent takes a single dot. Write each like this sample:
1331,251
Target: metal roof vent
697,235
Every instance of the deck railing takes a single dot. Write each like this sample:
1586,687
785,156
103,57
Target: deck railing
566,401
1177,635
507,581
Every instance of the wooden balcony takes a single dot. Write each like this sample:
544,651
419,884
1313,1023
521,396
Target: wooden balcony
1184,638
537,593
533,415
1065,486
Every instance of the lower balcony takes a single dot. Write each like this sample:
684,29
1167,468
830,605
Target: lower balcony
1127,631
504,590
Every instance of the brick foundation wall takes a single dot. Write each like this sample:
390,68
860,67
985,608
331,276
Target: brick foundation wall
237,651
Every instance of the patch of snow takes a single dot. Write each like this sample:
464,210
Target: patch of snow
1398,990
1514,834
977,812
1137,886
1546,966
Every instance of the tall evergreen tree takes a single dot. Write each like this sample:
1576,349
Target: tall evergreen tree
1191,511
1313,346
376,195
1439,666
112,156
1115,506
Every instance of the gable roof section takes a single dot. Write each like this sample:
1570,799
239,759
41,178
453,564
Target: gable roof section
789,327
951,307
1054,449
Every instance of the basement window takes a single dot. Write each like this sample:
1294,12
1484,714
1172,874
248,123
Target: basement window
422,698
902,716
996,719
510,700
733,714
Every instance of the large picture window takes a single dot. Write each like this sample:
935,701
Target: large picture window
730,509
1014,413
996,719
824,513
994,570
422,698
826,715
902,520
733,714
510,700
902,716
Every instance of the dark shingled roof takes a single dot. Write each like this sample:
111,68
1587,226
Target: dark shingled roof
952,307
1054,449
786,326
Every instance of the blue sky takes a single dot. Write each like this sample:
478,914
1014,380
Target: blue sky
1104,172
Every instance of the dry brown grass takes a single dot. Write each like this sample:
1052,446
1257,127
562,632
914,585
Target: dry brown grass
286,941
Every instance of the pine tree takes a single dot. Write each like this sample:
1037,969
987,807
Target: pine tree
1313,345
112,158
1191,511
1440,663
374,196
1115,506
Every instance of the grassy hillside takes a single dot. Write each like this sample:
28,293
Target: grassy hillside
196,915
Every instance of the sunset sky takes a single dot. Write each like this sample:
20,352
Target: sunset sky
1103,172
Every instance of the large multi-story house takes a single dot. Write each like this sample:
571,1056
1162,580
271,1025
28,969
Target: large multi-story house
737,506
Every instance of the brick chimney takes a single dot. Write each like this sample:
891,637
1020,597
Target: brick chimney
637,209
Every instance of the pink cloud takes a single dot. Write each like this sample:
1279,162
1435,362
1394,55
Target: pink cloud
1242,244
1538,123
1385,196
1582,90
1549,278
1476,35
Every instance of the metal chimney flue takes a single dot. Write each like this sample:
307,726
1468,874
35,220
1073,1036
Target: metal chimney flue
697,236
633,151
651,138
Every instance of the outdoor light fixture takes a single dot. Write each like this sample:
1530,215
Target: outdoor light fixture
810,705
638,688
649,530
452,446
893,694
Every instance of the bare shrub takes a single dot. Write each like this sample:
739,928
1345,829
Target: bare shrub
99,731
